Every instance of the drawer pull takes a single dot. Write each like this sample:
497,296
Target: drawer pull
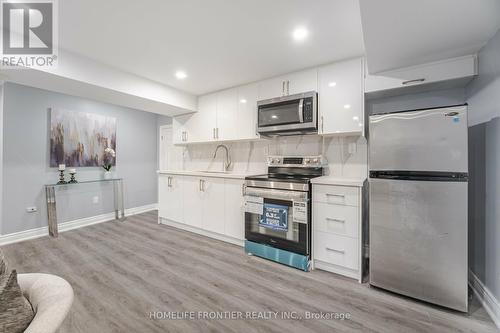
335,250
412,81
335,220
336,195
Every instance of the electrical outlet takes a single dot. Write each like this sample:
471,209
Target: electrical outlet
95,199
352,147
31,209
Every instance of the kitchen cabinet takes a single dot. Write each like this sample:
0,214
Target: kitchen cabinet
246,117
170,197
337,229
234,208
462,69
227,122
290,84
303,81
213,204
179,128
192,200
341,98
200,126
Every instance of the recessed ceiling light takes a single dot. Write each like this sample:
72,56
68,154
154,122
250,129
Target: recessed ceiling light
332,84
243,101
274,116
180,75
347,106
300,33
355,118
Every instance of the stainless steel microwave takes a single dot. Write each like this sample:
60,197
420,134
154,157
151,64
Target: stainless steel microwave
288,115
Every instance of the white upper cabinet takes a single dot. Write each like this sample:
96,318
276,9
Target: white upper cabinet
341,99
463,69
179,128
272,88
227,108
290,84
303,81
246,117
200,126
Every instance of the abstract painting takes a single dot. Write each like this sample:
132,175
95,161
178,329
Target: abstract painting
78,139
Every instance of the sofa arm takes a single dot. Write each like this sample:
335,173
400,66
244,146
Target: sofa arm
51,298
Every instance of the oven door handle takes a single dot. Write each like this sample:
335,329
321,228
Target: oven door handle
301,110
276,194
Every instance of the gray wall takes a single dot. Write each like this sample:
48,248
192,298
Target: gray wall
483,96
26,167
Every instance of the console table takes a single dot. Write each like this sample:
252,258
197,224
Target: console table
50,193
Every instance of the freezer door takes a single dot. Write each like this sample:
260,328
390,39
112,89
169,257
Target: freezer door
425,140
418,240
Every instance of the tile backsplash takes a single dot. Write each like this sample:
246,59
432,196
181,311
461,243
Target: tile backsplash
250,157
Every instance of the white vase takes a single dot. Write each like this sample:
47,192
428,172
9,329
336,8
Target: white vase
108,175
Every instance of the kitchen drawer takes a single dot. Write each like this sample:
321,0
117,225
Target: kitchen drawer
337,250
340,195
338,219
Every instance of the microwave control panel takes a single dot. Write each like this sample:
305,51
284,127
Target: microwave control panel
308,110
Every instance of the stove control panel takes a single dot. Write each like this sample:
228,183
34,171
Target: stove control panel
296,161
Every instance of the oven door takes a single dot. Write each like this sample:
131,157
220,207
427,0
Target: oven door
278,218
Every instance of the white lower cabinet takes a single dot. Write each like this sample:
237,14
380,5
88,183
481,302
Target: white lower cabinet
213,204
192,199
337,229
210,206
234,216
170,195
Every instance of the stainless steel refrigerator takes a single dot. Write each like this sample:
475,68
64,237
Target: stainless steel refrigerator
418,204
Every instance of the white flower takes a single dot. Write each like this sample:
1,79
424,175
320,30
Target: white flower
110,151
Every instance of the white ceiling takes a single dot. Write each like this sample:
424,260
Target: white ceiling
218,43
403,33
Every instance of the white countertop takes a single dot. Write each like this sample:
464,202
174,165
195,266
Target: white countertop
230,175
331,180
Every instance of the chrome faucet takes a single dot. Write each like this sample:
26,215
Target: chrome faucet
227,162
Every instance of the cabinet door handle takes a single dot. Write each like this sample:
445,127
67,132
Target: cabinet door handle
412,81
335,250
217,133
335,220
283,88
287,87
243,189
335,195
213,133
169,181
203,185
199,186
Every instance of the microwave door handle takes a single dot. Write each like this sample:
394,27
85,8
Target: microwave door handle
301,108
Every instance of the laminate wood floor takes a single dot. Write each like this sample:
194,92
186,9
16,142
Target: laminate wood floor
123,271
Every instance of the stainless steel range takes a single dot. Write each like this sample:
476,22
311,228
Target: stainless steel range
278,210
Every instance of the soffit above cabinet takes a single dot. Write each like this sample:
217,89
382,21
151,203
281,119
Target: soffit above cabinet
399,33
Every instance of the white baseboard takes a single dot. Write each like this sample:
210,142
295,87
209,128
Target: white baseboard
487,299
70,225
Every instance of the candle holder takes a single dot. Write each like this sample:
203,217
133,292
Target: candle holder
61,178
72,179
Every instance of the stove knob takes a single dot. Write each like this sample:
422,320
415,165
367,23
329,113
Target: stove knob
307,161
277,161
315,161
